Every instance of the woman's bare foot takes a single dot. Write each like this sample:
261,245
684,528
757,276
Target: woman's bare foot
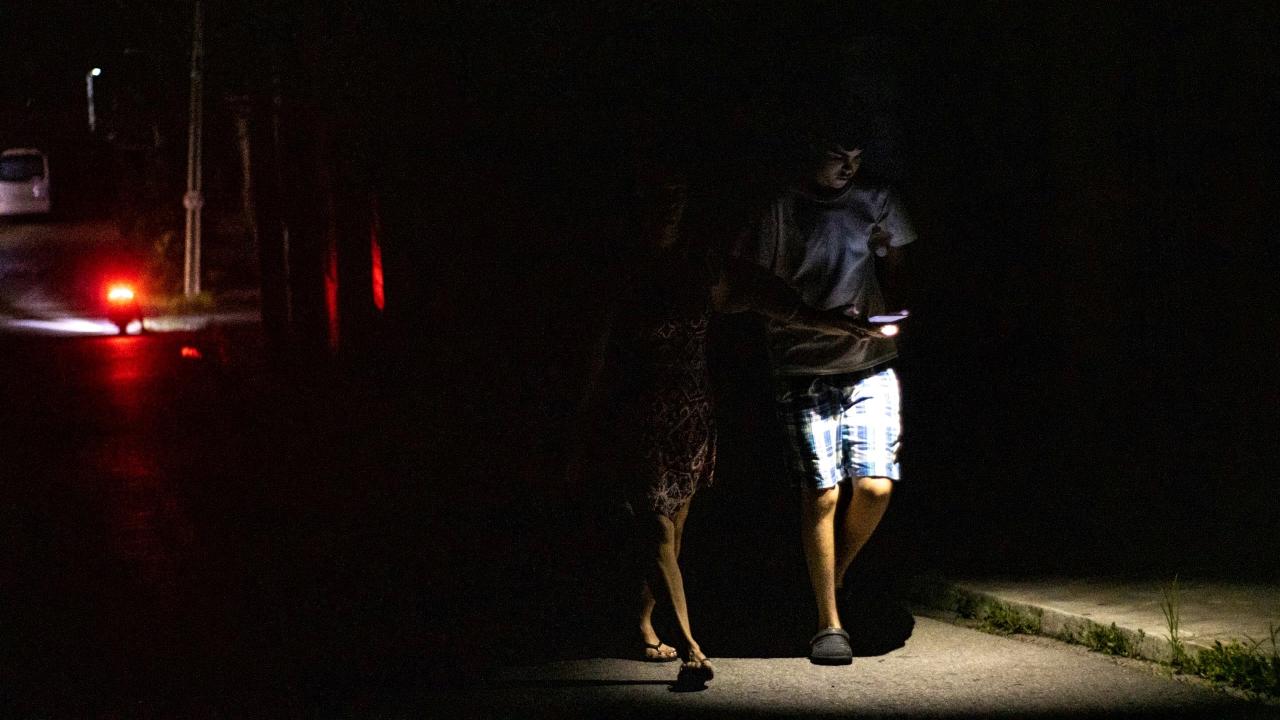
696,670
654,649
660,652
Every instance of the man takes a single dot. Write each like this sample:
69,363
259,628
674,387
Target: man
837,245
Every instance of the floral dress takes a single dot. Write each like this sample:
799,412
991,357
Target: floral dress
662,401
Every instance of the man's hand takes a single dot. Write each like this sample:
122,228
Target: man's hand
746,286
836,320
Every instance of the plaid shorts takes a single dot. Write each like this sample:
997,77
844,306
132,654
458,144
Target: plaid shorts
840,427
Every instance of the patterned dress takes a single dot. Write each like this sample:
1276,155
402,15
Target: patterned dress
662,400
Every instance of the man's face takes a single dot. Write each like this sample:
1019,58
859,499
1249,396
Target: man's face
837,167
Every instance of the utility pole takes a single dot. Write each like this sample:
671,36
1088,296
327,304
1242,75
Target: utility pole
194,199
241,110
88,89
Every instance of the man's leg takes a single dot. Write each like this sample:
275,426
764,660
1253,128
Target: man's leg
866,507
871,430
810,410
817,527
830,645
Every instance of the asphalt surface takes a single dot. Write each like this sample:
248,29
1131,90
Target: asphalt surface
190,533
943,671
203,535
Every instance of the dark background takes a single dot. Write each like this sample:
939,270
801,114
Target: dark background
1090,375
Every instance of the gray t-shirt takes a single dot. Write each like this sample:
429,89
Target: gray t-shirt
820,247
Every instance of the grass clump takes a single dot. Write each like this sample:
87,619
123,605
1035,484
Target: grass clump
997,617
1111,641
1003,619
1250,666
967,606
1007,620
1244,665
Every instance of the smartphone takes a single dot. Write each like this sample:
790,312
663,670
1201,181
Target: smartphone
888,318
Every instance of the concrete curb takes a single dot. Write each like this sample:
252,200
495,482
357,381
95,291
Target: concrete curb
954,601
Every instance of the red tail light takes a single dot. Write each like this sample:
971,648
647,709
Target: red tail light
120,294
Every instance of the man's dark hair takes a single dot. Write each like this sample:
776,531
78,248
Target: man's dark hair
805,121
842,121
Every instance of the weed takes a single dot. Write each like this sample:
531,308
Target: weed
1243,665
997,617
1248,666
1111,641
1171,606
967,606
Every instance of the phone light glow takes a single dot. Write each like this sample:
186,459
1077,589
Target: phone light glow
888,330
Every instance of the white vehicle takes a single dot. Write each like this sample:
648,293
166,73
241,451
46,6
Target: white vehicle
24,182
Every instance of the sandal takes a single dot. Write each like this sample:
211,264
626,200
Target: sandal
695,672
653,653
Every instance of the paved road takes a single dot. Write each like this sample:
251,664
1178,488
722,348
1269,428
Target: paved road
189,533
203,537
943,671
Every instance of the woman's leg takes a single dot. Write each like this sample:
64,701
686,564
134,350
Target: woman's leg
648,602
654,649
666,575
681,515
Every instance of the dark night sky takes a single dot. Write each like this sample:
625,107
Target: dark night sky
1093,183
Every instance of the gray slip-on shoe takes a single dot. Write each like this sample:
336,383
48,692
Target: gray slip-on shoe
830,647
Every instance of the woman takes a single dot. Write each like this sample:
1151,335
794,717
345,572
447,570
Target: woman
652,399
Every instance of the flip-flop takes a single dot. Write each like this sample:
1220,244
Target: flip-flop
830,647
695,675
660,657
